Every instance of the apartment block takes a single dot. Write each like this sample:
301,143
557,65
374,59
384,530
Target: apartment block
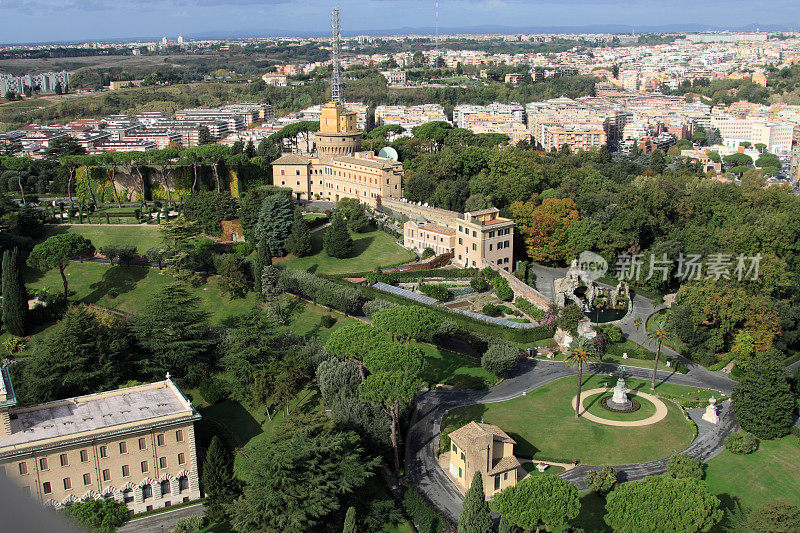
134,445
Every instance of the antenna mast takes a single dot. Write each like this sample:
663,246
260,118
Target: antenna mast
336,75
436,38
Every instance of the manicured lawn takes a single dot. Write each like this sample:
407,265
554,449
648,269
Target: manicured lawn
450,368
141,236
614,355
772,471
672,342
544,426
369,250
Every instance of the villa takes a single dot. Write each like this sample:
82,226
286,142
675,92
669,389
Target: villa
486,449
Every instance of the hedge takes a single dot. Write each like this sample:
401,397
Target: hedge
529,308
425,517
321,291
411,275
435,291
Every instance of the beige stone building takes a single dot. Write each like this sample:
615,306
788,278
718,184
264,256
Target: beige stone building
339,170
477,238
134,445
486,449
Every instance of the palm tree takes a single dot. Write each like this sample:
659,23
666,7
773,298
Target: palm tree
658,335
637,322
581,351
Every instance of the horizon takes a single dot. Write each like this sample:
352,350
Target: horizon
41,22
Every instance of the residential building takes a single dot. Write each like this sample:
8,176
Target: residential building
117,85
395,76
275,79
487,449
474,239
776,135
135,445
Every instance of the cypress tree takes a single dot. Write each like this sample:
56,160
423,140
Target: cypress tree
337,242
261,261
506,527
219,483
275,222
299,241
15,297
475,515
350,521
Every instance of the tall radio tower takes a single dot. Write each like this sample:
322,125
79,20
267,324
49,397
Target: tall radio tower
436,37
336,74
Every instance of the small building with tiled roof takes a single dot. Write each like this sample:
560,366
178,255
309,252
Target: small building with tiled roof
487,449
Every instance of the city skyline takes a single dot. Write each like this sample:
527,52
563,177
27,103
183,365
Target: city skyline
33,21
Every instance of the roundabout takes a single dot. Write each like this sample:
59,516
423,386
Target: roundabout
619,419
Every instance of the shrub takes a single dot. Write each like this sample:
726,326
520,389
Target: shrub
500,358
501,288
212,390
569,318
436,291
321,291
242,248
378,304
427,252
491,310
14,344
601,481
613,332
685,466
741,443
479,284
528,307
421,513
190,524
327,321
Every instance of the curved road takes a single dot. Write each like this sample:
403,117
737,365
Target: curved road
423,434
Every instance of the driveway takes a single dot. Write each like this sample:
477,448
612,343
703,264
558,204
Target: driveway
423,434
161,522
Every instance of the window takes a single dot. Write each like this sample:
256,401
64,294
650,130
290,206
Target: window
46,487
297,173
298,183
460,241
507,243
459,472
283,172
463,458
496,482
142,444
181,459
126,471
455,448
106,475
499,245
179,435
505,476
87,479
43,463
103,451
490,247
474,233
160,439
474,246
144,466
84,456
183,483
67,483
283,182
162,462
460,229
491,234
23,469
165,487
123,447
147,492
127,495
63,459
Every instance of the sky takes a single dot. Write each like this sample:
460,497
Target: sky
25,21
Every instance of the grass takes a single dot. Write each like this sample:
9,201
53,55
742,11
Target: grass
141,236
450,368
369,250
614,355
772,471
544,426
672,342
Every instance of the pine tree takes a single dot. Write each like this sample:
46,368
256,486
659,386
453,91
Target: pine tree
350,521
219,484
762,400
262,259
475,514
337,242
15,297
299,241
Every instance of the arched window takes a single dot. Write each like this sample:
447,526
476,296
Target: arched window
183,483
165,487
127,495
147,492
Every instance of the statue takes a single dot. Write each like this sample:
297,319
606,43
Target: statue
620,399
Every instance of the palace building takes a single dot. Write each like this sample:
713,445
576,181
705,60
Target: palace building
135,445
339,170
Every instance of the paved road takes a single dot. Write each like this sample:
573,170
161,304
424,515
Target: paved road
423,435
162,522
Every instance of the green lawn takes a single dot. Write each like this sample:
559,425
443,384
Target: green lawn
672,342
443,366
369,250
773,471
544,426
614,355
141,236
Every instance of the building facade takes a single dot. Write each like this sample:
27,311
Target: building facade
135,445
486,449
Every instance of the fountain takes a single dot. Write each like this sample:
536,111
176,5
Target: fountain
620,401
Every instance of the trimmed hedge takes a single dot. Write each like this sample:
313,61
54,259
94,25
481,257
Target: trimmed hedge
321,291
424,516
528,308
411,275
435,291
